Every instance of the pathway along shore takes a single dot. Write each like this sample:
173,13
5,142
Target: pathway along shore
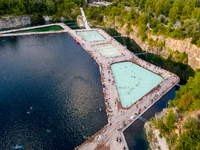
111,136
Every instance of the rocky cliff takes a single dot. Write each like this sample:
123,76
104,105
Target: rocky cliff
80,21
12,22
191,50
171,139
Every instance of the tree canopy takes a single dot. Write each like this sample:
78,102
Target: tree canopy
55,8
188,98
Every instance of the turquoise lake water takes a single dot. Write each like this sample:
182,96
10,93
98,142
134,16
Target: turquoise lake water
91,35
133,81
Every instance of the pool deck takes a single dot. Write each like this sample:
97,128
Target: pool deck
120,115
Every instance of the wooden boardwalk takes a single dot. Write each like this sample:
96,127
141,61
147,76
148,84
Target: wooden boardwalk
107,137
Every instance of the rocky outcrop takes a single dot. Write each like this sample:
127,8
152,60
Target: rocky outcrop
191,50
152,134
158,141
12,22
80,21
47,18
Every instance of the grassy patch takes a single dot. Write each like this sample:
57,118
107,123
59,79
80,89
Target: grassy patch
44,29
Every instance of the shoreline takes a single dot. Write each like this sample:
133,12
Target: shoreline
120,114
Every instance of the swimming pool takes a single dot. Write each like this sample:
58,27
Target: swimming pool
91,35
133,81
107,50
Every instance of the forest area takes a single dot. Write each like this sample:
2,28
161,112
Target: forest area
178,19
37,8
181,129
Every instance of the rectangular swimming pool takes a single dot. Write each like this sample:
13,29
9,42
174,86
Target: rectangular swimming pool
91,35
133,81
107,50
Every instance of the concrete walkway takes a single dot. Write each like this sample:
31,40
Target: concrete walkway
84,19
111,136
120,115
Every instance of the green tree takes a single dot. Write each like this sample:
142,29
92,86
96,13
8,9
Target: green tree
189,6
190,124
170,120
16,10
191,25
185,101
174,14
141,31
177,34
166,7
162,127
50,7
148,6
176,10
194,87
159,7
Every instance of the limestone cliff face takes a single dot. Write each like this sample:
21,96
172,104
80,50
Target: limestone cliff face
8,22
80,21
47,18
191,50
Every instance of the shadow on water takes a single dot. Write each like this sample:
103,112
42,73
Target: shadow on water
134,135
182,70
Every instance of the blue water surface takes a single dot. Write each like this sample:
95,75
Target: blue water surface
50,93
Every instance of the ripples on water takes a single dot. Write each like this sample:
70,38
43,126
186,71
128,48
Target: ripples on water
60,81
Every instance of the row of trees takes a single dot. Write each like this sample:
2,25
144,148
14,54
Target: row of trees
55,8
187,12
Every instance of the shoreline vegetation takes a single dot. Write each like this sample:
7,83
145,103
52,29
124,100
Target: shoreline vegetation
176,19
58,9
179,124
183,24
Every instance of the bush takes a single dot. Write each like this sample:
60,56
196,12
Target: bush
99,18
185,101
150,41
153,23
160,135
142,29
143,37
178,34
37,19
195,38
